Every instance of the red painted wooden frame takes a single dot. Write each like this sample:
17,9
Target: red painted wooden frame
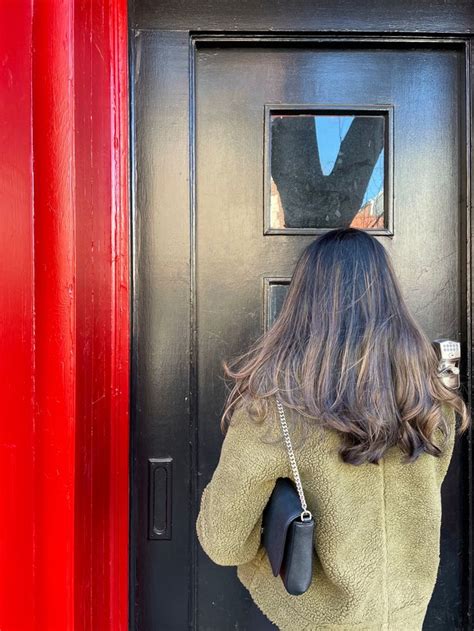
64,316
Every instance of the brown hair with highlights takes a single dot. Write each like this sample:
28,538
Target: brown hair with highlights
346,353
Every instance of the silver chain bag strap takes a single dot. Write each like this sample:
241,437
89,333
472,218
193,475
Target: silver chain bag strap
288,526
305,514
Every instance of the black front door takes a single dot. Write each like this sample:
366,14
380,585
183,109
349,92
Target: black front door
247,146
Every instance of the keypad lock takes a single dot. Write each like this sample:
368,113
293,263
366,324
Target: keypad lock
448,353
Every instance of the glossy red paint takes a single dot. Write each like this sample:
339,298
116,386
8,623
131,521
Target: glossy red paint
16,320
101,154
64,316
55,303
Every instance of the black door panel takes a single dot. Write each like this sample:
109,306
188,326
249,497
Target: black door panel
216,240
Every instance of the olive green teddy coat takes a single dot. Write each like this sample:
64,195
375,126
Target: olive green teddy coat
377,527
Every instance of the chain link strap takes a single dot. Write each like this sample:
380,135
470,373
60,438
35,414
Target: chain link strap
305,514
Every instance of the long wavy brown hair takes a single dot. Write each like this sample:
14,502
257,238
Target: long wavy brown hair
346,352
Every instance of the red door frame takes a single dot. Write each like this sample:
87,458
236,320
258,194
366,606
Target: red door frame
64,314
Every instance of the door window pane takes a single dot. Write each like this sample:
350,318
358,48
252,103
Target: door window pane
275,294
327,170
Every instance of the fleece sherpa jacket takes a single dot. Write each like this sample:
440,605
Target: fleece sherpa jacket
377,527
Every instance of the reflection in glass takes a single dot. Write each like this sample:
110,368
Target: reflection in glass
327,171
276,294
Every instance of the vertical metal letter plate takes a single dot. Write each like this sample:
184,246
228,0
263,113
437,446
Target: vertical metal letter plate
160,480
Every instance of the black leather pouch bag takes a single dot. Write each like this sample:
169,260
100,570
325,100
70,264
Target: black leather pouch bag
288,528
288,540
